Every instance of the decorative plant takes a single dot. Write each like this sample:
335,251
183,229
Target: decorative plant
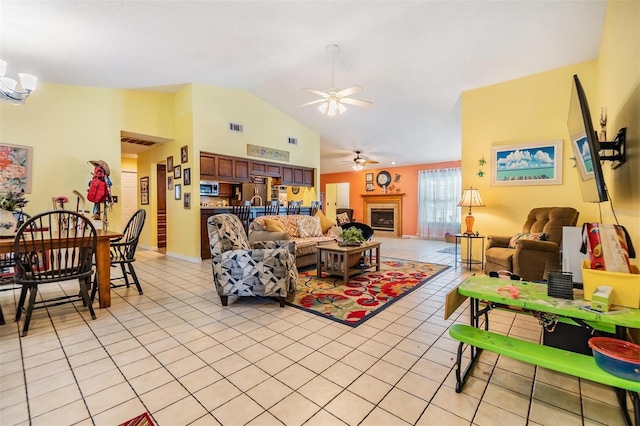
352,237
12,201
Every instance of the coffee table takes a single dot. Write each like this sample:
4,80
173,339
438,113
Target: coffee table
334,259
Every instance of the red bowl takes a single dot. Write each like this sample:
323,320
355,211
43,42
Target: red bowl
618,357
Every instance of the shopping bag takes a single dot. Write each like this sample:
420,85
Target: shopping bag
607,247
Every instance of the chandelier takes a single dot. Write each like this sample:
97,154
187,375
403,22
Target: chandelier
9,89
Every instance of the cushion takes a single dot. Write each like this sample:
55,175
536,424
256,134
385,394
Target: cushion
535,236
343,218
273,225
325,223
309,226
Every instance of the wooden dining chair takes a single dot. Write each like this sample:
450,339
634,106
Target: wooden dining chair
315,206
50,249
293,207
242,209
272,208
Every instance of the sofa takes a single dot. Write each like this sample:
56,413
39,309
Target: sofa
307,231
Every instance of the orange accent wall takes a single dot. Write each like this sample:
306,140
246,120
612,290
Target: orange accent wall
407,184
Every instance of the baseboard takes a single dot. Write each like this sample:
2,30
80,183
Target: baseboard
150,248
183,257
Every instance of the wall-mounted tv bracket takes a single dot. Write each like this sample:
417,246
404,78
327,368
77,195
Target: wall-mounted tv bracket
616,150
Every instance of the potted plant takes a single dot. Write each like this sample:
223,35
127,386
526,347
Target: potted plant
9,202
351,237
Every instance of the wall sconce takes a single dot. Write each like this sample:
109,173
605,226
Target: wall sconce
482,161
480,173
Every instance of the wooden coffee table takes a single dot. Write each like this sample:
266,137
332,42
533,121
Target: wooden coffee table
334,259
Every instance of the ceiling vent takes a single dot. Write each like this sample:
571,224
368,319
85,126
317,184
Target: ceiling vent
135,141
293,141
235,127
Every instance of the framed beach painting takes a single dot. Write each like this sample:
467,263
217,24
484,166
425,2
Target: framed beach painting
16,166
537,163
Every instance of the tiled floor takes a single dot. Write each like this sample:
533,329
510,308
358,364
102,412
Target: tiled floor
178,354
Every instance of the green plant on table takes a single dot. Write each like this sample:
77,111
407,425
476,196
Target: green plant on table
12,200
352,237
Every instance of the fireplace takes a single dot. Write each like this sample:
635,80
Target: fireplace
383,213
382,219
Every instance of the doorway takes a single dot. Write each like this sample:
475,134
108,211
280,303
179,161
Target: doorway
128,196
337,197
161,173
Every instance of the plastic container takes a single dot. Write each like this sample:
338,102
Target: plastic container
626,287
618,357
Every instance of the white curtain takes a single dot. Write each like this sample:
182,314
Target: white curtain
438,195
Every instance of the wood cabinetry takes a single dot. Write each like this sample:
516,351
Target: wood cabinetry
232,169
297,176
224,189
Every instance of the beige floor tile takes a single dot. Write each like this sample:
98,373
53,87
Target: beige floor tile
320,390
295,376
542,413
370,388
418,386
163,396
489,415
403,405
140,367
70,414
109,398
238,411
349,407
185,365
213,396
182,412
341,373
248,377
47,384
150,380
296,351
51,401
229,365
386,372
265,419
269,392
294,410
317,362
198,379
461,404
359,360
380,417
436,416
15,414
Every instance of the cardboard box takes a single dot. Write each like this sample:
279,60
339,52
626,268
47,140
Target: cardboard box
601,298
626,287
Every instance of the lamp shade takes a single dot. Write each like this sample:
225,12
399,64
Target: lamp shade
471,198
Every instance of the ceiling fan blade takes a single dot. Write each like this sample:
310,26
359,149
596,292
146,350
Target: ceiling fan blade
317,92
356,102
371,162
350,91
317,101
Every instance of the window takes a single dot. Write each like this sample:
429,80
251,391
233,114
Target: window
438,194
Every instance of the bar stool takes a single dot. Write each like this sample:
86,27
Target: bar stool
293,207
272,209
315,206
242,209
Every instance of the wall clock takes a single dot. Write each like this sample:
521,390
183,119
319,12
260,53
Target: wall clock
383,179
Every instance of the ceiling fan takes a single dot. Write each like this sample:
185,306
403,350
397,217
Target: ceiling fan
359,162
333,100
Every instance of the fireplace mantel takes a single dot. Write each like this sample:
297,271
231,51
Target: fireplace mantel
392,201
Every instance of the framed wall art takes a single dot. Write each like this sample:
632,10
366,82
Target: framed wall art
538,163
177,172
184,154
187,176
369,186
368,177
170,182
17,167
170,163
177,191
144,190
187,200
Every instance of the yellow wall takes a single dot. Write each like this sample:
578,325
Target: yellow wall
535,108
68,126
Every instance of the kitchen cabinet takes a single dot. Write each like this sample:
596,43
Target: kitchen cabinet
224,189
297,176
233,169
208,167
260,168
308,177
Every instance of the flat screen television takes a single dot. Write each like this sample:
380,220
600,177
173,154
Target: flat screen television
586,147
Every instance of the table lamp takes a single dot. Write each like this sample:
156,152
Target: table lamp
470,198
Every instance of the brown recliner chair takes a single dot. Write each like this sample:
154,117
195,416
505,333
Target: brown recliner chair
532,260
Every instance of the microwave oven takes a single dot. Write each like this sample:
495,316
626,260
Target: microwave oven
210,189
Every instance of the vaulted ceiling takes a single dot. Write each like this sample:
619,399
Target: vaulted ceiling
413,58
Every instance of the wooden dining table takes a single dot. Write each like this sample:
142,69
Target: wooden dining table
102,258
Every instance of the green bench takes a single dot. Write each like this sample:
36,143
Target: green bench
574,364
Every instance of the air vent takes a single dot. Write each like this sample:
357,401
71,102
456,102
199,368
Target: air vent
293,141
235,127
136,141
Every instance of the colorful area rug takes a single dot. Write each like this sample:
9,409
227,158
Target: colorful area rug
365,295
143,419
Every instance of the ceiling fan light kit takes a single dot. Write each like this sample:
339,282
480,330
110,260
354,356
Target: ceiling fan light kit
333,101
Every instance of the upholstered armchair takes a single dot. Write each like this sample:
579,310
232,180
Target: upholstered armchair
266,268
526,255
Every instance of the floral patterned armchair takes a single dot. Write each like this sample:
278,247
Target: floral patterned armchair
265,268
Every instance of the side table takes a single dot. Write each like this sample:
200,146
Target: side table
469,260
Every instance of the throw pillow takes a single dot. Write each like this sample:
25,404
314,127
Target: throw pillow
343,218
535,236
325,223
273,225
309,226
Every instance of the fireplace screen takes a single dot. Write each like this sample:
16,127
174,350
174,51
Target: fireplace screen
382,219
